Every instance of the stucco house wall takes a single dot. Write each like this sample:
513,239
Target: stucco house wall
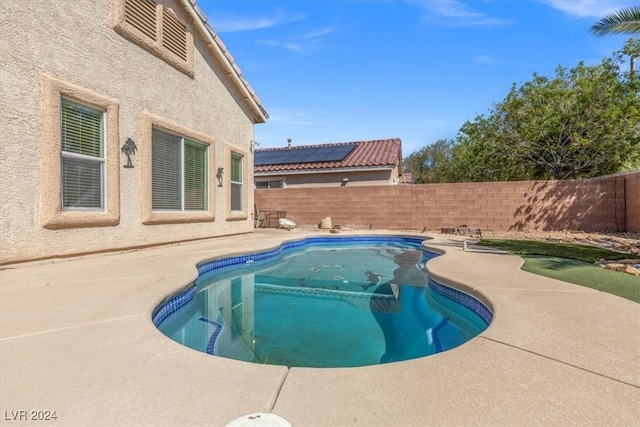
50,48
335,179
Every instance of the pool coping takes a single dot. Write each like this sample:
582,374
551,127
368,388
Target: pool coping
77,338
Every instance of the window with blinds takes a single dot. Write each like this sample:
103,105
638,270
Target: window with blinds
195,176
83,156
179,173
236,182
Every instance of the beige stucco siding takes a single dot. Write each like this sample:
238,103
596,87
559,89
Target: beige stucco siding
335,179
74,43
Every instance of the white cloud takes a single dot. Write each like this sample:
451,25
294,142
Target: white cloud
455,13
587,8
302,44
231,24
485,59
321,32
293,47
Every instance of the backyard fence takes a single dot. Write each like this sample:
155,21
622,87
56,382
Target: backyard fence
610,203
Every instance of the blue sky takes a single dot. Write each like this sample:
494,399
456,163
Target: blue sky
337,71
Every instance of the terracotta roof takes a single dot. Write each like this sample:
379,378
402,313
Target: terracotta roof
374,153
406,178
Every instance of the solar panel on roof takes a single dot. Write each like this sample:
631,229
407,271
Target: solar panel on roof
343,150
311,158
332,153
324,157
298,157
288,158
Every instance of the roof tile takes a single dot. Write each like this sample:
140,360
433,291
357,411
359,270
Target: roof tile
379,152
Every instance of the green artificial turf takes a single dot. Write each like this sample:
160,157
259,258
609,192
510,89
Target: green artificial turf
574,264
562,250
584,274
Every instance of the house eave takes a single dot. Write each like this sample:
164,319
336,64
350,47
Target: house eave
222,54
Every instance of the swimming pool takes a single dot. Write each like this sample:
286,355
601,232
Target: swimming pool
322,302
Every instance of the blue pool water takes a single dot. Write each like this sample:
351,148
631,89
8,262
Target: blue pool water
323,302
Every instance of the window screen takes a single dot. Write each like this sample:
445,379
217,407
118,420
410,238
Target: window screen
195,176
82,156
179,173
166,171
236,182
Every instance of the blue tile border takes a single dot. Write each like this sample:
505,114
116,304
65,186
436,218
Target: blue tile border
214,336
173,303
464,299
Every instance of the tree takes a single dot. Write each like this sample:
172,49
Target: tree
480,154
632,48
431,163
625,21
583,122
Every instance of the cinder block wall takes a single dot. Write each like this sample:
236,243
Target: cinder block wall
633,201
590,205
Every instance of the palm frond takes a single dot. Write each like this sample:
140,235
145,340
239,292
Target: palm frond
623,21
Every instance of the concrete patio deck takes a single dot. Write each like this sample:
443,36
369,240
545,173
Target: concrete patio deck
76,338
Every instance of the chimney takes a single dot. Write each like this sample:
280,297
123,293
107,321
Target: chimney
288,142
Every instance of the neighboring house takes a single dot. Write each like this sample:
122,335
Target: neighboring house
406,178
376,162
88,85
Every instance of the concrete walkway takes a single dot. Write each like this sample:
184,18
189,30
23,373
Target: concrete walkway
76,338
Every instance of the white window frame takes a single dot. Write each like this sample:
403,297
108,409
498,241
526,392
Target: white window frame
101,160
281,181
237,184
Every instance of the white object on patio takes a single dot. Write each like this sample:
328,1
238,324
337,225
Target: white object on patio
286,223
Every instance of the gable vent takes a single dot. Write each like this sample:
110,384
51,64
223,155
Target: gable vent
174,35
141,14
